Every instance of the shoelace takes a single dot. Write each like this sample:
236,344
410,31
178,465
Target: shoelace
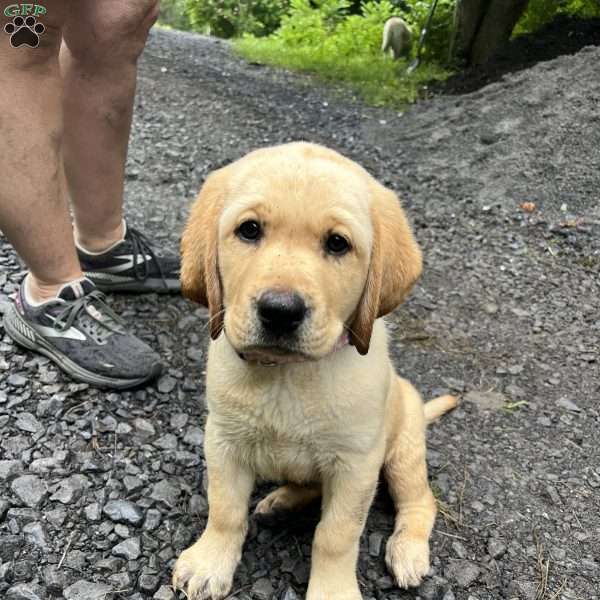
142,246
110,322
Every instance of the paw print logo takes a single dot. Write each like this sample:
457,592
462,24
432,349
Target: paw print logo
24,32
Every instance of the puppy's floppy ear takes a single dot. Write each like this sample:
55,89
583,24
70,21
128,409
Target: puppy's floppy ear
395,266
200,279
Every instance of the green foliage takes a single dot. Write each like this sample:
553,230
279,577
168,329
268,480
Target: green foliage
310,21
439,34
324,37
230,18
331,29
173,14
540,12
358,34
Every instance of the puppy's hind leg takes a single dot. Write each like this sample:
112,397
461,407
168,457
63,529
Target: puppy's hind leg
288,497
407,550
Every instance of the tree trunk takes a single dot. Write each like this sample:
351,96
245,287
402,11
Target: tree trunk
482,27
468,14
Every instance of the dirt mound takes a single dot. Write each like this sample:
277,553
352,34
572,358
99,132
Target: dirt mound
564,35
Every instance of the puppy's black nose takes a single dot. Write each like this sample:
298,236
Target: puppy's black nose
281,312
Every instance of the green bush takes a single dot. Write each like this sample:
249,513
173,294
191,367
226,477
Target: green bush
362,33
324,37
439,34
540,12
231,18
173,13
329,22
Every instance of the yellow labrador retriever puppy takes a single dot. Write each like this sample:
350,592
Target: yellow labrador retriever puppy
297,252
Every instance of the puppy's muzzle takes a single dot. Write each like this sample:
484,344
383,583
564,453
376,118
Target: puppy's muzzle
281,313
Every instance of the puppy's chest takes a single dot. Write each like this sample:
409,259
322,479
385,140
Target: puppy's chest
286,438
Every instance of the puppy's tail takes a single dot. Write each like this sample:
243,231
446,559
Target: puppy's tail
438,406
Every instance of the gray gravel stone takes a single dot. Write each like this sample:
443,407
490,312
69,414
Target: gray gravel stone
24,516
166,442
523,589
34,534
153,519
56,516
16,380
262,589
49,406
194,354
490,308
121,581
132,484
27,422
187,459
8,468
198,505
71,489
122,530
463,572
144,428
166,384
30,489
164,593
290,594
43,465
459,549
93,512
24,591
123,511
148,582
166,492
431,588
129,549
568,404
4,506
194,436
6,568
55,579
9,546
375,543
87,590
179,420
111,564
496,547
486,400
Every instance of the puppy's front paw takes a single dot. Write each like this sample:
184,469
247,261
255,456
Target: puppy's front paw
316,592
407,559
205,570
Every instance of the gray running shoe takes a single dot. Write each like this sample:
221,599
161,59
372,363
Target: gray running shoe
133,265
84,337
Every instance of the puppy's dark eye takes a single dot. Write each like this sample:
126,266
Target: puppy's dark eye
336,244
249,231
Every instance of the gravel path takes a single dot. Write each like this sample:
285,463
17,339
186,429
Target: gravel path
100,491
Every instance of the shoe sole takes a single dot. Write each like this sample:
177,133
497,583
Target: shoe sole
25,335
148,286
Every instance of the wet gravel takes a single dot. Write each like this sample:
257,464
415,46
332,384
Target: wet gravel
100,491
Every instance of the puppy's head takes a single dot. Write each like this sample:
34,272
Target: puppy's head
292,248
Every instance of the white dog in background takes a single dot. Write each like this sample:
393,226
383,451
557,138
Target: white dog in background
397,37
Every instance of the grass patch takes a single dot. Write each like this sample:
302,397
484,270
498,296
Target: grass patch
378,80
